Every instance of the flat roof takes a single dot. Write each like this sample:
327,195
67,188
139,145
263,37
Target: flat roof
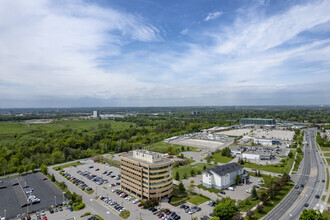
129,155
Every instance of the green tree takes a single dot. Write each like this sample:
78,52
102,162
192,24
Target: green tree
191,186
20,170
312,215
204,167
290,154
226,210
185,176
44,169
181,188
53,178
237,179
192,172
177,176
260,208
254,193
33,166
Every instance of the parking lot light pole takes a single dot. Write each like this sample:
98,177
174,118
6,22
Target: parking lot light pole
55,200
5,212
92,205
63,198
108,213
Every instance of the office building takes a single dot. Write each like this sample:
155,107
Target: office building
257,121
146,175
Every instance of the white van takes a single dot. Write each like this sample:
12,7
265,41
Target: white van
231,188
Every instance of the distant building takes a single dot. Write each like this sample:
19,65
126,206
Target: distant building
216,129
195,113
257,121
96,114
222,177
146,175
263,142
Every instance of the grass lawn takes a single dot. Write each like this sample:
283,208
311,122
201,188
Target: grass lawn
277,168
329,200
125,214
323,197
89,192
326,213
267,179
212,190
198,199
272,203
325,148
328,160
163,147
327,186
61,167
218,158
327,154
186,169
175,199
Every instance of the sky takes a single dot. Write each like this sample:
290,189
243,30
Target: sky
104,53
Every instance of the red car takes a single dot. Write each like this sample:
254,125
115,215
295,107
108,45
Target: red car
161,215
140,204
97,169
44,178
44,218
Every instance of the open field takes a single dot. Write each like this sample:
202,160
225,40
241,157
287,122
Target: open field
199,143
164,147
21,127
186,169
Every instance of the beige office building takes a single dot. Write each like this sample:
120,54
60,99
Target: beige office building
146,174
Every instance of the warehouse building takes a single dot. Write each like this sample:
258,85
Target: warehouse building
257,121
146,174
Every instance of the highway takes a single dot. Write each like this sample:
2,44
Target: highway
311,174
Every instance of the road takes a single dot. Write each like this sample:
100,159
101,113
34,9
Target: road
311,174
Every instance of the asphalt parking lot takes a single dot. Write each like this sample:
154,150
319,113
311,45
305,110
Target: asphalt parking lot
13,197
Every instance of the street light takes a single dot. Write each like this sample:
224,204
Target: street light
63,197
55,200
92,205
108,213
5,212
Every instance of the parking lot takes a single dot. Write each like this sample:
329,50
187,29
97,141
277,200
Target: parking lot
115,202
13,197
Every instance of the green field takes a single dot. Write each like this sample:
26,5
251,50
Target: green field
21,127
218,158
66,165
198,199
212,190
325,148
328,160
327,154
187,169
163,147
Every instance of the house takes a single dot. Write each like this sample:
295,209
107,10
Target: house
222,177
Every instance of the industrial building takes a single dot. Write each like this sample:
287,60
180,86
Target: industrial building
146,174
257,121
222,177
96,114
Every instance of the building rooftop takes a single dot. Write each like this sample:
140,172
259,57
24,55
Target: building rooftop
224,169
147,157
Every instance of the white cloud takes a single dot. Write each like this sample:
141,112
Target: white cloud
51,50
184,31
213,15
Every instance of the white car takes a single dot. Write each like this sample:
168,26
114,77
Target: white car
43,213
135,201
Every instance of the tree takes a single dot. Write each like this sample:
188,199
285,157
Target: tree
44,169
192,172
238,217
260,208
192,186
185,176
263,197
312,215
254,193
33,167
204,167
226,210
237,179
181,188
177,176
53,178
249,214
169,149
290,154
20,170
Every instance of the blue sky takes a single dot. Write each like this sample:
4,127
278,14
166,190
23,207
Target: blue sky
164,53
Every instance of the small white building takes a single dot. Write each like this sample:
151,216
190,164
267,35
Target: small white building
251,156
222,177
263,142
